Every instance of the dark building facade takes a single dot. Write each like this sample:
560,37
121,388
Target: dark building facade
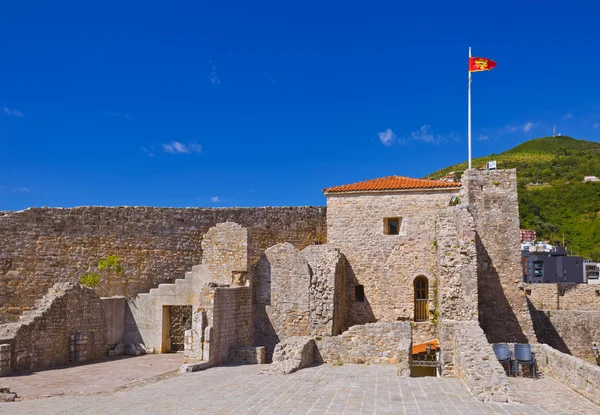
552,267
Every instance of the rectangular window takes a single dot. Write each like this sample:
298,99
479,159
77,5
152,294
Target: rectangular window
359,293
392,226
538,269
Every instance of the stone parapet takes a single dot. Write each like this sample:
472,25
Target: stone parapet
577,374
467,355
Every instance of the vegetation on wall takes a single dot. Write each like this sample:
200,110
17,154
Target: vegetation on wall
90,279
553,199
110,263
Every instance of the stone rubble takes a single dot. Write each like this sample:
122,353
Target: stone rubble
292,354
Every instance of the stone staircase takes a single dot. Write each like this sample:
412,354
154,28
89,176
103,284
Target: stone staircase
183,289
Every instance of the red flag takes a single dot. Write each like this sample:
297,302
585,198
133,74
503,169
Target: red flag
481,64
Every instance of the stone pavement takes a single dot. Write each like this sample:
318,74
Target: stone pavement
325,389
94,377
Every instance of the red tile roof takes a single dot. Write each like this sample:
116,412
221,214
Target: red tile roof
421,347
391,183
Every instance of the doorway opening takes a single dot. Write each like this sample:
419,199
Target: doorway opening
176,320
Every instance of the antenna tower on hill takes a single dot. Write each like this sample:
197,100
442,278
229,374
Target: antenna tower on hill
554,131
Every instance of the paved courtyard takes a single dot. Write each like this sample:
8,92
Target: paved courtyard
325,389
95,377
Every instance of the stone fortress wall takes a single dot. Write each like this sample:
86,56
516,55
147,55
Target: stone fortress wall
41,246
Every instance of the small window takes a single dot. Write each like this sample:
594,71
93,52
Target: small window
391,226
359,293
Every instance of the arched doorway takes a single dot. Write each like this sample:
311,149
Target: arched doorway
421,299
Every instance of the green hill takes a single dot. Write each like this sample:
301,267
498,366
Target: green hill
553,199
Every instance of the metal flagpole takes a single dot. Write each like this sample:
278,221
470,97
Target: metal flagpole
469,110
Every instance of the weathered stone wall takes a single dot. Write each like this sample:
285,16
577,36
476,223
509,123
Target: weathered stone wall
41,246
467,355
386,265
231,322
503,311
247,355
5,360
577,297
457,263
424,331
281,284
298,293
581,376
376,343
568,331
43,336
327,293
224,250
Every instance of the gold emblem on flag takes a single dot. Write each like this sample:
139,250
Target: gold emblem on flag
481,64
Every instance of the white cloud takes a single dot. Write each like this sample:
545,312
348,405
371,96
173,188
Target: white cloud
567,116
4,190
117,114
483,137
596,126
13,112
215,199
528,126
149,153
424,134
177,147
270,78
387,137
213,77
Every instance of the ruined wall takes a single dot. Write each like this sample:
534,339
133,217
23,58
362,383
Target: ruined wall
457,264
41,246
224,250
42,338
386,265
577,297
281,285
571,332
327,292
231,322
503,311
298,293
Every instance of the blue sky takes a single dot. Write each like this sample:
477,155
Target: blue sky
266,103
